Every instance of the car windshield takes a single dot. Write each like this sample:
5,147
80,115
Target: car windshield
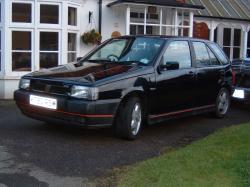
128,50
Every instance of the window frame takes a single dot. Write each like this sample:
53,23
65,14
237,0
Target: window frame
46,51
248,47
22,24
166,47
49,25
232,46
21,73
176,24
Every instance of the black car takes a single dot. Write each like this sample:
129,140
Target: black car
130,81
241,68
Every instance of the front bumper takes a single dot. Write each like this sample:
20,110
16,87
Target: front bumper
246,98
70,110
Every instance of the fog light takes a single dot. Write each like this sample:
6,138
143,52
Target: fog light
240,94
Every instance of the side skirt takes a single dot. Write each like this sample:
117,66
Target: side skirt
158,118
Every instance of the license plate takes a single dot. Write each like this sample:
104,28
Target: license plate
43,102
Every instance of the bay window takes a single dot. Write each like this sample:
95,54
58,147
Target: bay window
49,49
21,12
21,51
72,47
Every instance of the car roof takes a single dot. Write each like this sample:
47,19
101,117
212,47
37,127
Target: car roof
166,37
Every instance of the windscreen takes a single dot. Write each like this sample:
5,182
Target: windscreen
140,50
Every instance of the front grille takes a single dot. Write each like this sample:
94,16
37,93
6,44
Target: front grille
49,87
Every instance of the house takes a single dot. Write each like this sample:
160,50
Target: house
37,34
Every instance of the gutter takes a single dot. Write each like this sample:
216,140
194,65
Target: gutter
100,17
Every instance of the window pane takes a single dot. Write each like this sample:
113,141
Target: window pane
71,42
48,41
227,51
213,59
236,53
227,37
48,60
21,61
49,14
21,12
201,54
237,37
71,57
133,29
248,40
21,40
72,16
178,52
219,53
0,12
248,53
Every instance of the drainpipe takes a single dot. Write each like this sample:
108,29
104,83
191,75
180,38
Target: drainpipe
100,17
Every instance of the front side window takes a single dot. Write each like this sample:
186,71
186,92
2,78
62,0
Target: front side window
72,16
71,47
201,54
21,12
21,51
178,52
49,49
221,56
138,50
49,14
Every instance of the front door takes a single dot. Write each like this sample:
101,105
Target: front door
175,86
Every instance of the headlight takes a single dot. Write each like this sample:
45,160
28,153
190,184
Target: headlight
240,94
84,92
24,84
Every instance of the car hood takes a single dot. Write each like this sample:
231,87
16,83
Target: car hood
87,72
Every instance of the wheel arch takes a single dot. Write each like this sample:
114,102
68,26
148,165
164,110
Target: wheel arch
135,93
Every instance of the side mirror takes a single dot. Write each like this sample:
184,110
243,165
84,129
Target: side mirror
78,59
169,66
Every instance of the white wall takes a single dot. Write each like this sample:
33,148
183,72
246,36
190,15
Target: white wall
113,19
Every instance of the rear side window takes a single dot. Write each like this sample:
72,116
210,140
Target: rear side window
178,51
201,54
220,54
213,60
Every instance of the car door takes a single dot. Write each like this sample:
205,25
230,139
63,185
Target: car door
175,86
209,73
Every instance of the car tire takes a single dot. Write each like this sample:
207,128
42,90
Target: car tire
129,119
222,103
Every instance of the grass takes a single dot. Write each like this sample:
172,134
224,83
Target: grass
222,159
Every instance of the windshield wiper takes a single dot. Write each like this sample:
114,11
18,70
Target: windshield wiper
101,60
133,62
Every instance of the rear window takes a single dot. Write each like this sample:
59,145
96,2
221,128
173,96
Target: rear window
219,53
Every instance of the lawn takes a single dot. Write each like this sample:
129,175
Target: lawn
222,159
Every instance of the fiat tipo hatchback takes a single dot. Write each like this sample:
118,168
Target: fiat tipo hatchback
130,81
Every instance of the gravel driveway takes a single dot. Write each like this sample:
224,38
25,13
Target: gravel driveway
36,154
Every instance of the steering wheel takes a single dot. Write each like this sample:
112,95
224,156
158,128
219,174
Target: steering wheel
113,58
